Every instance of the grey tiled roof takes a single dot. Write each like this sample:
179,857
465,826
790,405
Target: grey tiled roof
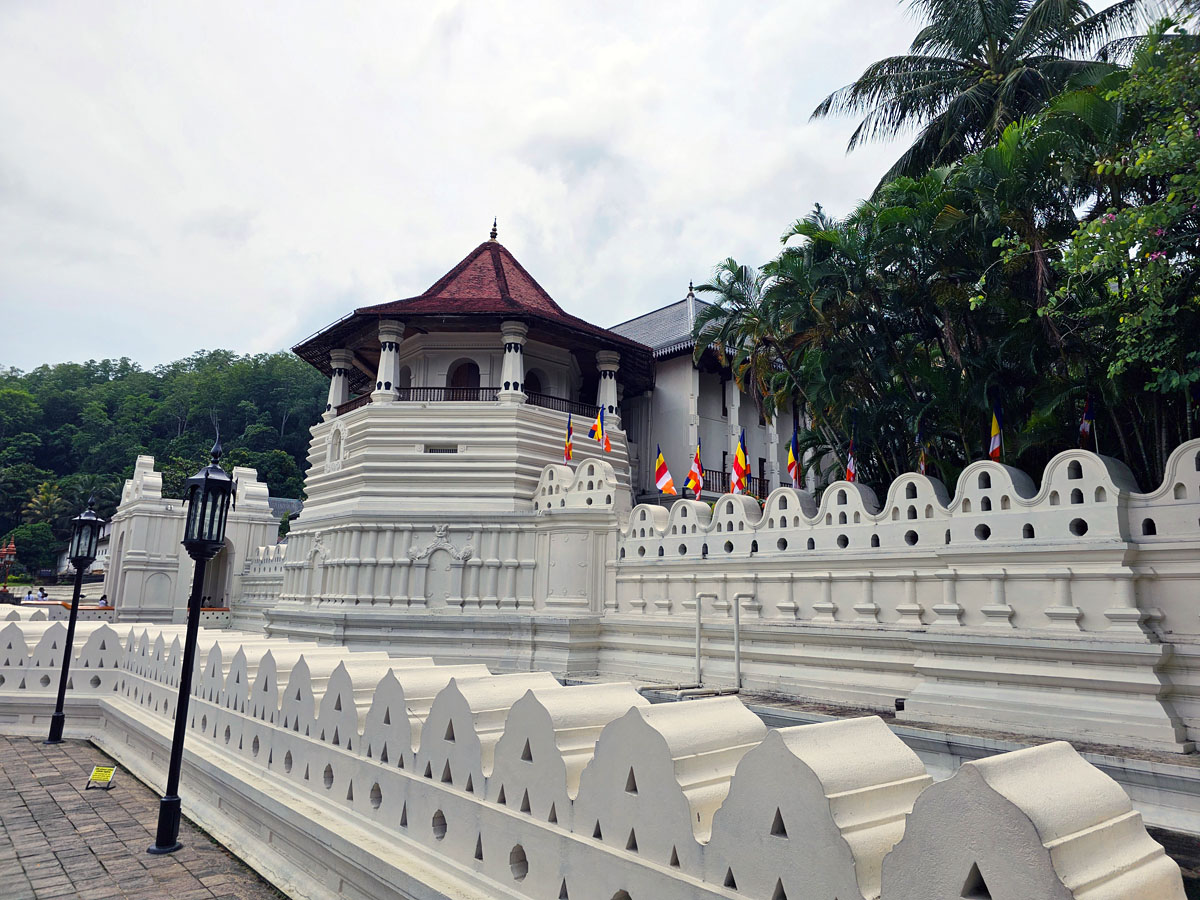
665,330
281,505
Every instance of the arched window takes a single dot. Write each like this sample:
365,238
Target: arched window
463,380
534,382
405,377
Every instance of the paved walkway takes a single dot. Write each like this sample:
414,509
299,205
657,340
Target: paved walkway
59,841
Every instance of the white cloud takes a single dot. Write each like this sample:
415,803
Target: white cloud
238,175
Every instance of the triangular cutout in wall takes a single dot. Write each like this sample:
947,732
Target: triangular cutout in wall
447,778
337,703
631,844
778,829
730,881
525,802
631,783
450,731
562,891
596,833
553,817
350,792
470,784
779,893
975,888
387,715
674,858
527,753
479,847
502,800
404,815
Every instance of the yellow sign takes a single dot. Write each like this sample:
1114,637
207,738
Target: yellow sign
102,777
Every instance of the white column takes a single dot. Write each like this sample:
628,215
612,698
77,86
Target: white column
609,363
773,471
391,333
512,368
340,362
733,402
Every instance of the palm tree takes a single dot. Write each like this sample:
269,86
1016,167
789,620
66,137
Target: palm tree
974,68
46,504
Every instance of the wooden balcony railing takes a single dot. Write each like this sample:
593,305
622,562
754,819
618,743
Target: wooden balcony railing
546,401
447,394
350,405
716,482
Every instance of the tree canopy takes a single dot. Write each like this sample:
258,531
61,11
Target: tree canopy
72,430
1048,263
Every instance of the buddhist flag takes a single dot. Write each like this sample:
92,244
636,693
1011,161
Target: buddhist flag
568,447
662,475
997,441
794,458
598,432
922,460
695,476
851,465
1087,422
741,466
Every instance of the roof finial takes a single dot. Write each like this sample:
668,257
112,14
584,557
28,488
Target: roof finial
690,288
690,306
493,229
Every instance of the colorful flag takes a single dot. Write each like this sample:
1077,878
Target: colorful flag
695,476
851,465
793,466
569,447
741,466
922,460
997,442
662,475
1089,419
598,433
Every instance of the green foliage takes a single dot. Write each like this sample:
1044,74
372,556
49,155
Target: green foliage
78,427
1056,261
973,70
37,547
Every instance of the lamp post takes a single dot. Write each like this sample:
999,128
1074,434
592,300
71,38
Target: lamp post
7,555
85,535
207,498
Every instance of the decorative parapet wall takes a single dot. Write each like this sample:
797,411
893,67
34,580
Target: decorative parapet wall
1006,606
515,786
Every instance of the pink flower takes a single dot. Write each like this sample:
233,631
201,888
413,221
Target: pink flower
1158,254
1159,232
1110,217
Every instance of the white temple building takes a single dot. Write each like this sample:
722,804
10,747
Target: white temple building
441,520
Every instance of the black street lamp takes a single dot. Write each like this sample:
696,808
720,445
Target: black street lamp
207,498
85,535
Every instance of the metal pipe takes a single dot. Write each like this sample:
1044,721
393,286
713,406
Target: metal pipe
737,641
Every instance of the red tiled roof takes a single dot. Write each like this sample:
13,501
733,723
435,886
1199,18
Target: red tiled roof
488,281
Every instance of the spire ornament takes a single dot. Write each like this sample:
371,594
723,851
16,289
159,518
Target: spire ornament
493,234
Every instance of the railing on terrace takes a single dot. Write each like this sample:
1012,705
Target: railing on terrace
716,482
484,394
350,405
447,394
583,410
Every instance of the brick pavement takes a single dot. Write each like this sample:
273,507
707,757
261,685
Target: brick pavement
59,841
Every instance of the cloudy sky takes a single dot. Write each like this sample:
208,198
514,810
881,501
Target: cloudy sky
181,176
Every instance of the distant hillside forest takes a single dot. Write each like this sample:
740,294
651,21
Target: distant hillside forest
74,429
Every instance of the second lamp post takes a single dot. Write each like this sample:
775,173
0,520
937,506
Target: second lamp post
85,537
207,498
